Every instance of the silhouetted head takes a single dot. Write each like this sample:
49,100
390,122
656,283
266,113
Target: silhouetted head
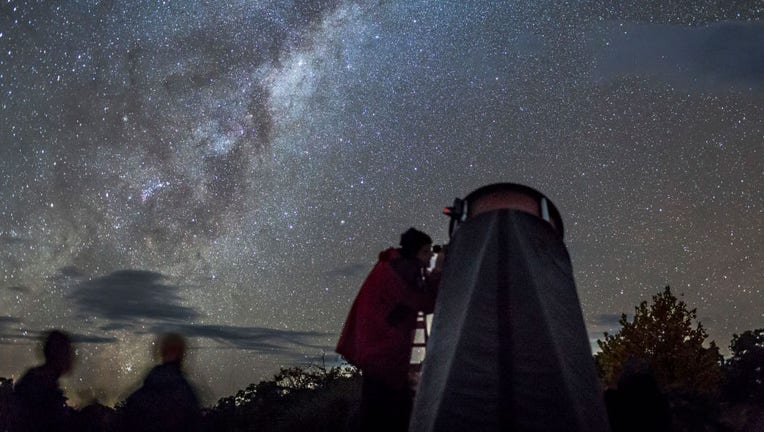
416,244
58,352
172,347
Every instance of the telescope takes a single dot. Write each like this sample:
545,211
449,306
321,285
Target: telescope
508,349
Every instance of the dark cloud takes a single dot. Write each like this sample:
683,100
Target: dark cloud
4,320
19,289
715,57
130,295
66,278
674,12
10,240
608,320
11,331
70,272
82,338
115,326
9,328
601,323
733,53
17,338
247,338
327,358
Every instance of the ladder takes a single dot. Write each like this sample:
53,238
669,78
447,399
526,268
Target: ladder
418,348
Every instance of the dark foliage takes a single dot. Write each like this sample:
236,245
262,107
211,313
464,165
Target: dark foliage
745,369
663,336
662,373
297,399
6,400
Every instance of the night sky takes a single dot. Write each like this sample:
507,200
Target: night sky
230,169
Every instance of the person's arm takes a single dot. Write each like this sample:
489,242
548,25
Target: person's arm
432,282
415,295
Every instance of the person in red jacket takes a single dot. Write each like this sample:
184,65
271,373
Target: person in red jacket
378,333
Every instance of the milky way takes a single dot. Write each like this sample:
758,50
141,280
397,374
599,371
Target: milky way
230,170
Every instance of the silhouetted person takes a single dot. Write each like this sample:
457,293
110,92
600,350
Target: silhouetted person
166,402
379,330
40,404
637,404
95,418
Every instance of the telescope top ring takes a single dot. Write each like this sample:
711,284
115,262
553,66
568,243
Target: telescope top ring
512,196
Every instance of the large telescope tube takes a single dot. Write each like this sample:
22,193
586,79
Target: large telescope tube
508,349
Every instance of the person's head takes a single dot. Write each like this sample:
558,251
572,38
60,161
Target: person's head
58,351
416,244
172,348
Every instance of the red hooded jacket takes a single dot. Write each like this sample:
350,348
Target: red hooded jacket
379,329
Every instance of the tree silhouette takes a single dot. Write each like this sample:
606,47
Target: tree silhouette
745,369
6,401
662,336
313,398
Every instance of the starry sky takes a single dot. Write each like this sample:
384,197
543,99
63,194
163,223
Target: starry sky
230,169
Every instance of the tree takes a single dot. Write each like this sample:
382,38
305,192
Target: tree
296,399
745,369
662,336
6,403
